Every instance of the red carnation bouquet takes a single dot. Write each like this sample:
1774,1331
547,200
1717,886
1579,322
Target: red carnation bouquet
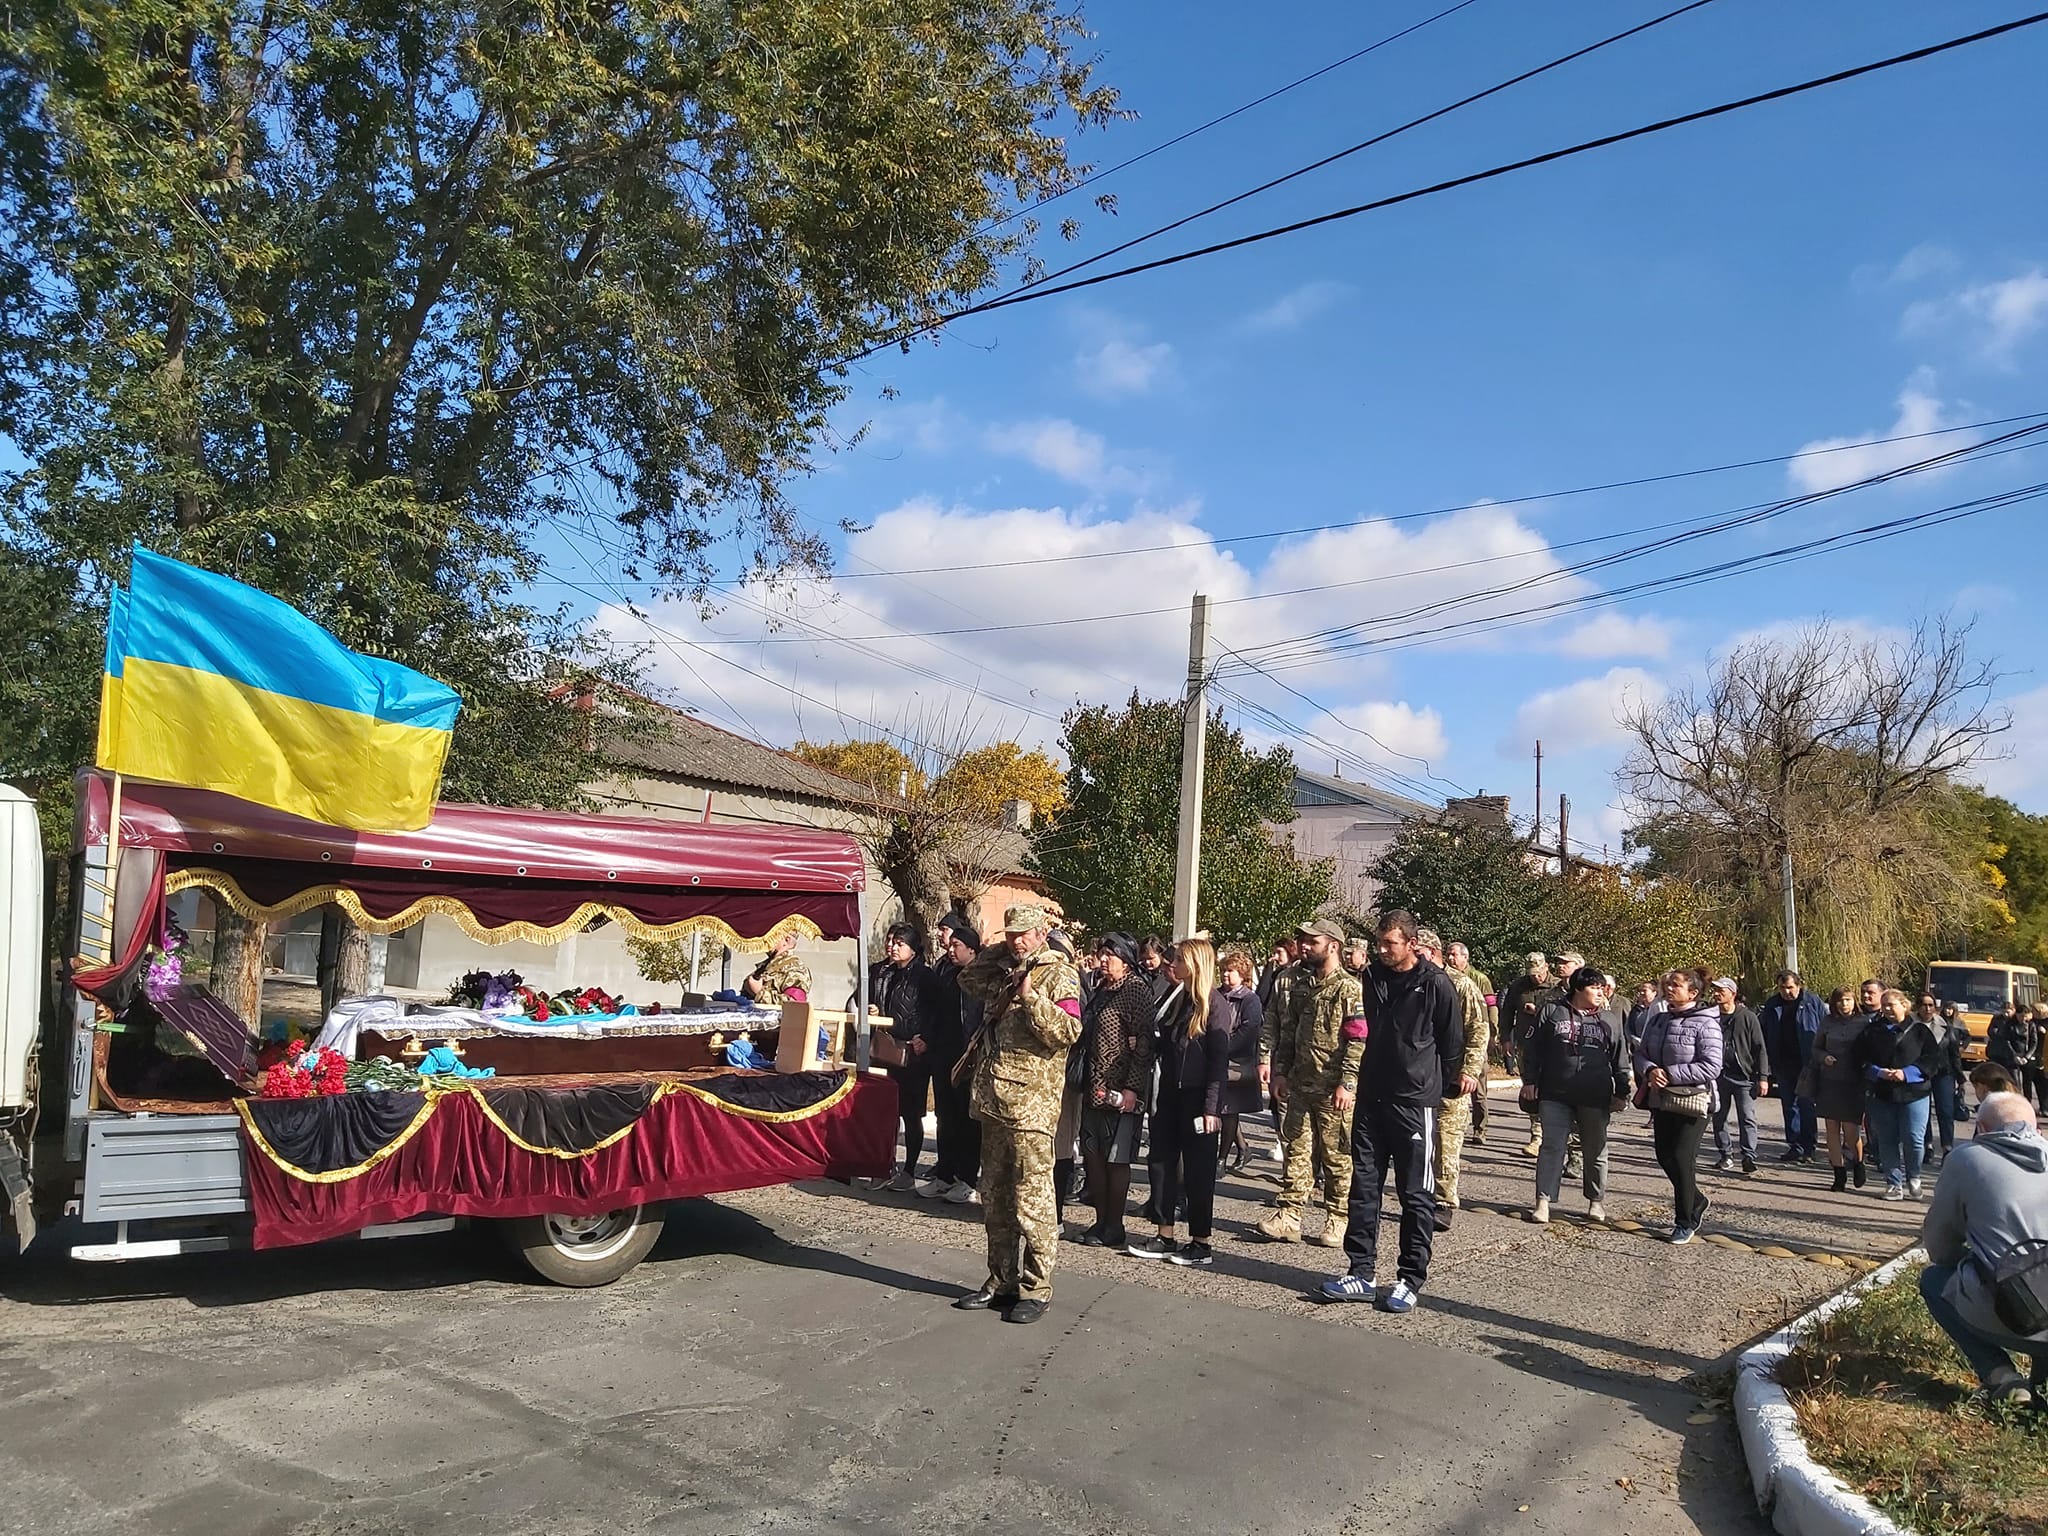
312,1073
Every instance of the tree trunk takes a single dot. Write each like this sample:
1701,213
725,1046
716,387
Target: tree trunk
344,959
237,976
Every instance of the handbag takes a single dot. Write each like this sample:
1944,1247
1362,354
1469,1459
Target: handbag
1690,1101
2019,1288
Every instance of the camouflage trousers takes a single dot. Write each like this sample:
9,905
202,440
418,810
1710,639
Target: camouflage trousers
1453,1122
1018,1210
1315,1132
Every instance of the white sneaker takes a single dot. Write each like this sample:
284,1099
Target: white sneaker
963,1193
1541,1214
931,1189
1913,1188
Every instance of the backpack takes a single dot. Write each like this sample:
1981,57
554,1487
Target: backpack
2019,1288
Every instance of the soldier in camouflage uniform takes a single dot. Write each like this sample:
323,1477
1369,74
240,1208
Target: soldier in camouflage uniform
1314,1071
781,977
1454,1116
1459,958
1031,997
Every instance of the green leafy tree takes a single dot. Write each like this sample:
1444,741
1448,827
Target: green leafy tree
1475,884
2014,928
358,302
1109,854
1635,927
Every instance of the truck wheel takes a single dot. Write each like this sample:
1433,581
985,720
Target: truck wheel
585,1250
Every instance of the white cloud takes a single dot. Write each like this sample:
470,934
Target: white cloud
1056,446
1929,259
1297,307
1584,716
1121,367
1617,634
1832,462
853,645
1392,734
1994,318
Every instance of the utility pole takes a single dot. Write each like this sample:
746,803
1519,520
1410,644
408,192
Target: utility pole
1564,828
1791,913
1536,832
1187,867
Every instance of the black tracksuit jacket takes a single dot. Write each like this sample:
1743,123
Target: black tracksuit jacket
1415,1035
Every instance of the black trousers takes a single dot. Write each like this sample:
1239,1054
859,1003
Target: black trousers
959,1132
911,1090
1401,1136
1187,1160
1677,1139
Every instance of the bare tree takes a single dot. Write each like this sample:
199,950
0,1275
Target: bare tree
1841,751
929,835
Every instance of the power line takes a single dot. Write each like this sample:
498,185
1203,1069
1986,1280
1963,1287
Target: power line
1678,581
1692,529
2017,440
1605,141
1217,122
1363,144
1433,512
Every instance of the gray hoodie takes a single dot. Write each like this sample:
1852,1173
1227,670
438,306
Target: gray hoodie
1993,1194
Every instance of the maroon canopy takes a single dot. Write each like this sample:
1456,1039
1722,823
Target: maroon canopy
675,869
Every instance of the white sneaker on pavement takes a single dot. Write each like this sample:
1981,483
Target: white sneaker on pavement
1596,1212
1541,1215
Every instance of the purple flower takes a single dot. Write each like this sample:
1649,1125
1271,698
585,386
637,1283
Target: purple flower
161,978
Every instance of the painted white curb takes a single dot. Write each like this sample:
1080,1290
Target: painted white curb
1802,1497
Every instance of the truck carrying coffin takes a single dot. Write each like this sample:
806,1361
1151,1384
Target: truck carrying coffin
574,1145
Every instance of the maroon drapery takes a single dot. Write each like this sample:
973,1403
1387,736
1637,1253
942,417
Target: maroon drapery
460,1164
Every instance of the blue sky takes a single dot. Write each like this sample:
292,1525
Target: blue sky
1868,260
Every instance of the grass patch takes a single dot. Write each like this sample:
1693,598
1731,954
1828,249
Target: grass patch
1879,1391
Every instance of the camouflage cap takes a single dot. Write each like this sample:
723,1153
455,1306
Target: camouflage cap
1320,928
1428,938
1025,918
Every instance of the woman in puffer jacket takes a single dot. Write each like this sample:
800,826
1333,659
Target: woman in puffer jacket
1575,1071
1677,1062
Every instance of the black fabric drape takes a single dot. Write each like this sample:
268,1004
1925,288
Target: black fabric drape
569,1119
326,1135
779,1092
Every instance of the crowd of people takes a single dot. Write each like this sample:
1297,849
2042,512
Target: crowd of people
1042,1060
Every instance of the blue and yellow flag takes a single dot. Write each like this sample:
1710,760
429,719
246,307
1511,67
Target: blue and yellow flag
214,684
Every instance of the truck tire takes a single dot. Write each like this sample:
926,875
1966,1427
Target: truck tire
585,1250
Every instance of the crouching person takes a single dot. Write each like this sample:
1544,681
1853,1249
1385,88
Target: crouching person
1986,1235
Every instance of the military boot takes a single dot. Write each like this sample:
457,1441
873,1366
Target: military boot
1283,1226
1332,1235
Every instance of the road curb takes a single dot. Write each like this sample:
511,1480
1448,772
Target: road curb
1801,1497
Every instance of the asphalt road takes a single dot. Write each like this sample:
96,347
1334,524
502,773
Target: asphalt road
786,1361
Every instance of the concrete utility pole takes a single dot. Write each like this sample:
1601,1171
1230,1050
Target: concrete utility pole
1187,865
1536,832
1791,913
1564,831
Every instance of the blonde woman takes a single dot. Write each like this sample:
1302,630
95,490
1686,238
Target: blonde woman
1194,1063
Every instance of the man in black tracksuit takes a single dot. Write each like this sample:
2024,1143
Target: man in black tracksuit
1414,1041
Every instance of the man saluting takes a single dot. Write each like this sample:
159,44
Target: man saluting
1031,997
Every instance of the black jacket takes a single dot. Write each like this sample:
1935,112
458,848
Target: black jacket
1577,1059
1742,1047
951,1017
1242,1094
904,994
1415,1035
2011,1043
1199,1066
1909,1047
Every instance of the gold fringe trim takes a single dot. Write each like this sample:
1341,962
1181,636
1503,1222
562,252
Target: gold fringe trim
770,1116
474,1086
339,1175
224,888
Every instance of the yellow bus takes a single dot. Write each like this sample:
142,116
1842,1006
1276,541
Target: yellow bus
1980,989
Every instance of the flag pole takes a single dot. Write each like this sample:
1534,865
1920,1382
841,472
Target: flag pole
113,868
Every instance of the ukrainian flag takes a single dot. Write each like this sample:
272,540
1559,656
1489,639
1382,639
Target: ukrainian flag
214,684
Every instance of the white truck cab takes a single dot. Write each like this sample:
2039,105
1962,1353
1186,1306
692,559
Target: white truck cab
22,978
